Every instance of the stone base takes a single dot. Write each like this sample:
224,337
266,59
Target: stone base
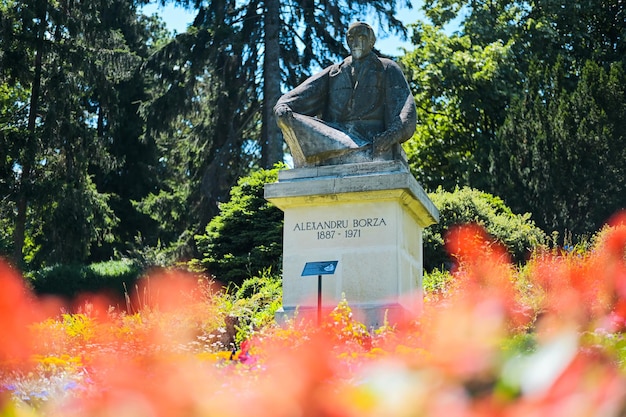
369,218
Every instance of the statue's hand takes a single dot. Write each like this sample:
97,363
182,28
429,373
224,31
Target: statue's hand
383,142
283,111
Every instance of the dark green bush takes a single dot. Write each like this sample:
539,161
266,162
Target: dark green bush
516,232
72,280
246,237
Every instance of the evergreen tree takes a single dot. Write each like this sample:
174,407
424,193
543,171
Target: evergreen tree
246,237
70,59
562,152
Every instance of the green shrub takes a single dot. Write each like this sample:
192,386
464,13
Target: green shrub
254,303
72,280
246,236
436,281
517,233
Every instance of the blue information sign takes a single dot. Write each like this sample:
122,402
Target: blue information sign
319,268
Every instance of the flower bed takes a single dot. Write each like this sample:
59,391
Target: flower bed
545,339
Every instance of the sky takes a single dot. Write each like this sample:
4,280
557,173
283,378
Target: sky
177,19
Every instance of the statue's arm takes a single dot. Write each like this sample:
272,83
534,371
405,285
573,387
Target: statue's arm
309,98
400,112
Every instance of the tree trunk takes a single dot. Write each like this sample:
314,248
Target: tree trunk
272,140
24,183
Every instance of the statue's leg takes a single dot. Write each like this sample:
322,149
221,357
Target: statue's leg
312,141
292,140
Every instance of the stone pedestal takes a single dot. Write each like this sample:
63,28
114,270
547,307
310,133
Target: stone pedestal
369,217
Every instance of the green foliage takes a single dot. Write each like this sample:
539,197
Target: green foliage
246,237
170,215
517,233
524,101
74,279
560,153
461,88
436,281
520,343
69,127
254,303
78,219
6,230
345,327
613,343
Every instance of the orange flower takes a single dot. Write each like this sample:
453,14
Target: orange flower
17,311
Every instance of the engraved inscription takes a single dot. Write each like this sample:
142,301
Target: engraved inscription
325,225
340,228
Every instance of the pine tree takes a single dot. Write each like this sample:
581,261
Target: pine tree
561,152
71,59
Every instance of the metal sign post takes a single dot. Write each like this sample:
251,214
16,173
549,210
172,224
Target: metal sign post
319,269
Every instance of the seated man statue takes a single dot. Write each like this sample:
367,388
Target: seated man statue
359,110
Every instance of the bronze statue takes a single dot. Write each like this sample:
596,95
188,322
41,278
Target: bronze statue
356,111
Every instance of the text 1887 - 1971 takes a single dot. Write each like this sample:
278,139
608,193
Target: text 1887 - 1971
332,234
337,229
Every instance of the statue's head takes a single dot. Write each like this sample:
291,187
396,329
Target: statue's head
361,39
